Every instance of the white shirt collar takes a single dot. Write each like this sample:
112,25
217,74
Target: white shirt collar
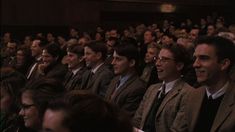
218,93
94,70
76,70
169,86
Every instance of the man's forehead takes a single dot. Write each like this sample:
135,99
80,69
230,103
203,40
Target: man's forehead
205,49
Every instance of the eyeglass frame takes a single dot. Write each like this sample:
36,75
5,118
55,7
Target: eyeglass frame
162,59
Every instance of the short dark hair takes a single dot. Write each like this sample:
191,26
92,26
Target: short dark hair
98,47
86,112
128,50
77,49
224,47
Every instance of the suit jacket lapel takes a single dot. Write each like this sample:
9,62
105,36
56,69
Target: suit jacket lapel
170,95
195,106
150,101
95,76
112,88
123,87
224,109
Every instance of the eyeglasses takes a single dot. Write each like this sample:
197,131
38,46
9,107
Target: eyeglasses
162,59
26,106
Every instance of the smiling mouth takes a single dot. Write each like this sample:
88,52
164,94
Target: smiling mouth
160,70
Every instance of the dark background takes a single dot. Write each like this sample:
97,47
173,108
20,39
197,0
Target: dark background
29,16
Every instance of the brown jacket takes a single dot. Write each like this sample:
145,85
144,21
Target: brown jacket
225,117
168,109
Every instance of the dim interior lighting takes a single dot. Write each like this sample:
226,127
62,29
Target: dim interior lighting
167,8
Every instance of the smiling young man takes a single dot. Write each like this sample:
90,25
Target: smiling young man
97,78
211,107
162,101
126,89
76,66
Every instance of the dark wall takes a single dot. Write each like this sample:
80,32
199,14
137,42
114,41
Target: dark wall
40,14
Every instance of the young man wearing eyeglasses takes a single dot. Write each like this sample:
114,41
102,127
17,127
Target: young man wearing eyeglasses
162,101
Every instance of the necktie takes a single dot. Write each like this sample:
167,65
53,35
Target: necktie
150,120
89,78
116,89
163,91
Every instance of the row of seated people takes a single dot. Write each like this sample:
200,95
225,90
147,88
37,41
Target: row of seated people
167,105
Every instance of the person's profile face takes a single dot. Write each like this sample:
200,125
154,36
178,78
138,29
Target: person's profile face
91,57
29,111
121,64
206,64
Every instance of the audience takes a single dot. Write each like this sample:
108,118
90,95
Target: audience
108,66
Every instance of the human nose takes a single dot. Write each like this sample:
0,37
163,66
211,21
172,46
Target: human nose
113,61
196,63
21,112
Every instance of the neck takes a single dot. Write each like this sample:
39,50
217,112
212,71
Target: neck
127,73
98,63
173,77
215,86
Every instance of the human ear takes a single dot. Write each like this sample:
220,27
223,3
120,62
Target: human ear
225,64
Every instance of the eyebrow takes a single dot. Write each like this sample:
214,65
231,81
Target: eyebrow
201,57
48,130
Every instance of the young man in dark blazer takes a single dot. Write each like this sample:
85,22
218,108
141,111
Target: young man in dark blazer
210,108
98,77
76,66
126,89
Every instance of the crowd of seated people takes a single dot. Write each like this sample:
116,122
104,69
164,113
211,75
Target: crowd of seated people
160,77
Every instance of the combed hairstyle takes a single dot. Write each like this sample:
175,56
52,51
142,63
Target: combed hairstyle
225,48
43,90
128,50
98,47
76,49
86,112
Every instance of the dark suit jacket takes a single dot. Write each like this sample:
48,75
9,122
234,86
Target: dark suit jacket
98,84
168,109
74,82
225,117
129,95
